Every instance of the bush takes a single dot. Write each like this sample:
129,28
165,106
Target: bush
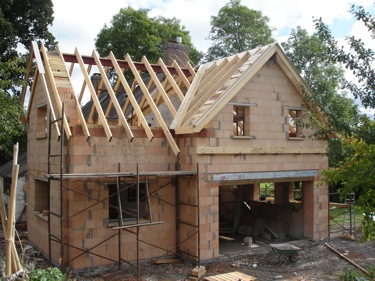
48,274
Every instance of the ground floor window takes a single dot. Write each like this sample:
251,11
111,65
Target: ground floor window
41,196
128,197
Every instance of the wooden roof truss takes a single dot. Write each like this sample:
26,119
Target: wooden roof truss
128,101
139,97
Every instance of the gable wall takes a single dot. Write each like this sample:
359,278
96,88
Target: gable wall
270,89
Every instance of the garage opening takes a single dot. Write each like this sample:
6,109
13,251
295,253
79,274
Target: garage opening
265,211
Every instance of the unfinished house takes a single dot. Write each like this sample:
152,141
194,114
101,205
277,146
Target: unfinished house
164,159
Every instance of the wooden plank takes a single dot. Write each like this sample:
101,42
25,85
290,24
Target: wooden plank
167,260
131,98
191,70
159,86
218,81
154,108
231,276
28,72
176,123
41,70
259,150
171,80
80,116
121,117
55,92
84,85
258,63
181,74
94,97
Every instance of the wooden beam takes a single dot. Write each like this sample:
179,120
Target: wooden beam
154,108
171,80
260,150
258,62
191,70
176,123
94,97
113,97
159,86
131,97
41,71
84,85
55,92
181,74
226,71
26,80
80,116
122,63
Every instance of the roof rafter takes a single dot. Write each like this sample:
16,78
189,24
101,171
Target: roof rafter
131,97
153,106
80,116
94,97
121,117
55,93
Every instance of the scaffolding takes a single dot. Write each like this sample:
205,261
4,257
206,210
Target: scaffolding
117,177
342,216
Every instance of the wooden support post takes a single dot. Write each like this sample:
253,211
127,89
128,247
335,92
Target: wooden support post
12,261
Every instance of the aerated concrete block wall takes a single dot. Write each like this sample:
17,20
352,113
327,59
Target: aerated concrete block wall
272,93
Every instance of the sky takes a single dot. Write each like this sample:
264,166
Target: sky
77,23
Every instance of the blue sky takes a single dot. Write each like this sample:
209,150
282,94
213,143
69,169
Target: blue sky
77,23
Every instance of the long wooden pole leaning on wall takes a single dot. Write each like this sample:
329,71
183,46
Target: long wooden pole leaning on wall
199,221
13,264
137,222
61,190
120,221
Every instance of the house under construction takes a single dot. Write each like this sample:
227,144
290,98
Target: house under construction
161,160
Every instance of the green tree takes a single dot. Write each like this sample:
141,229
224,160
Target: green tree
237,28
21,22
356,172
358,58
133,32
325,79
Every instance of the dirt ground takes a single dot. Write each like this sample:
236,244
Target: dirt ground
315,262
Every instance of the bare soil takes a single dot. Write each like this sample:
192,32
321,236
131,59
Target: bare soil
316,262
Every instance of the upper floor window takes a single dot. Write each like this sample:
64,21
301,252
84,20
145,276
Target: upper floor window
294,123
41,131
241,122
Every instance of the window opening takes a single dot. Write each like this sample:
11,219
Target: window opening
294,120
41,131
128,197
241,124
41,196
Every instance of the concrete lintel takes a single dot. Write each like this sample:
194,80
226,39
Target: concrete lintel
265,175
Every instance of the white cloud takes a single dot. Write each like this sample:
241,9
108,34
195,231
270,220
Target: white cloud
77,23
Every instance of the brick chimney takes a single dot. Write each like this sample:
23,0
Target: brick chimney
175,50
